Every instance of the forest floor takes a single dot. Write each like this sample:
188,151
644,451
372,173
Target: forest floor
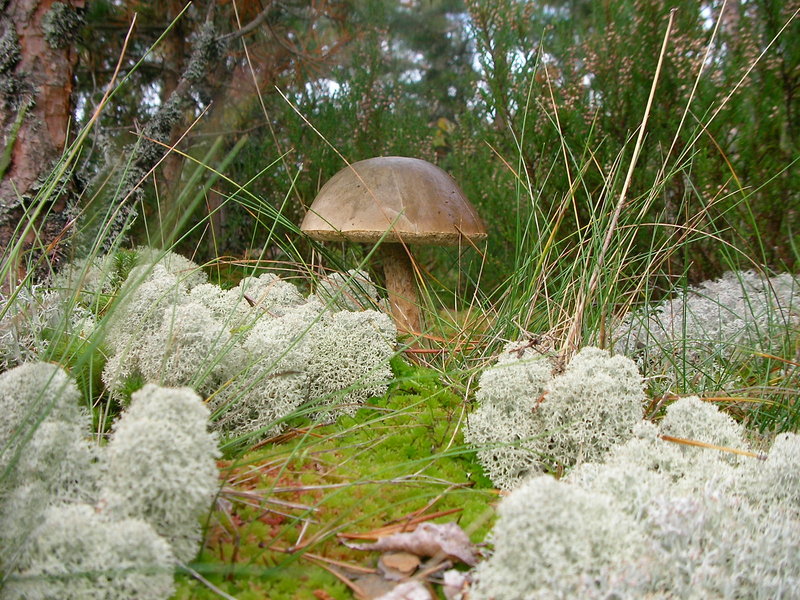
290,505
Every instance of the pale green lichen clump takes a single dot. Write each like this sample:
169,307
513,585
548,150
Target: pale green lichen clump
272,381
506,428
697,334
258,351
591,407
655,520
79,520
42,453
348,291
554,540
76,553
367,339
31,316
160,467
529,421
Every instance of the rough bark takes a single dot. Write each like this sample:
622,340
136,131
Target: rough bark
37,62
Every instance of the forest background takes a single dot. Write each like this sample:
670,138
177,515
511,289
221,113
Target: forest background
542,97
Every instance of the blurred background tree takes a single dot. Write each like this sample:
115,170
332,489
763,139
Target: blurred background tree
521,102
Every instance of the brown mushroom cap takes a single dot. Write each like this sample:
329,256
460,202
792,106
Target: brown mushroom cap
417,202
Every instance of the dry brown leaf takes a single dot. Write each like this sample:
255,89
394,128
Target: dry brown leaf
397,566
429,539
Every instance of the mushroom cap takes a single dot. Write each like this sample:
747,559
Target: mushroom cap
403,199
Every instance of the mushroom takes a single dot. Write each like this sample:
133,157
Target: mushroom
397,201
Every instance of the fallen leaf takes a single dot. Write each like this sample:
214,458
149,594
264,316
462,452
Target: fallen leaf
429,539
409,590
397,566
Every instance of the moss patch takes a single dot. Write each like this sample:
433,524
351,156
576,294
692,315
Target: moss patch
285,503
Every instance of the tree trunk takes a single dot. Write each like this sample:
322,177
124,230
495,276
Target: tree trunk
37,62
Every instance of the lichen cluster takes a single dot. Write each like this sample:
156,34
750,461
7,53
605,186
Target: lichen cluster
530,421
655,520
348,291
61,25
10,54
31,315
258,351
80,520
696,335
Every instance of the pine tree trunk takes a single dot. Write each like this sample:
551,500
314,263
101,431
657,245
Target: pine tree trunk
37,62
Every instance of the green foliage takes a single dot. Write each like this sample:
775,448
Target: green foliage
530,106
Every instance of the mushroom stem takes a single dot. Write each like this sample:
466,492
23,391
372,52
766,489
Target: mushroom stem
401,287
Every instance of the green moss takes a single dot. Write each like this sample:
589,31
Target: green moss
85,365
400,455
133,383
124,262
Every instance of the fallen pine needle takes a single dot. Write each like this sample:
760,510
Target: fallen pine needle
206,582
357,591
778,358
402,526
316,557
677,440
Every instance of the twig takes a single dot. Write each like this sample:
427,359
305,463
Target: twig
251,495
403,525
242,31
325,559
778,358
357,591
436,564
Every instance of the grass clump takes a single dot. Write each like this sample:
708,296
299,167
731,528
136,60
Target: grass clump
695,339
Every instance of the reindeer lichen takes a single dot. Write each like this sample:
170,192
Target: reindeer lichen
531,421
654,520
